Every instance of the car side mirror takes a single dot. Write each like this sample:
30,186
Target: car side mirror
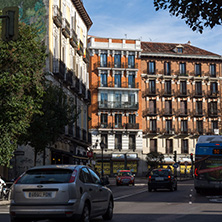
104,181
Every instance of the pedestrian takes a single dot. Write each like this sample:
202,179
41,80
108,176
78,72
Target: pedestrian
2,184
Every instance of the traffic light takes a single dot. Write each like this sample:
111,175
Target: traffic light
10,23
175,156
191,157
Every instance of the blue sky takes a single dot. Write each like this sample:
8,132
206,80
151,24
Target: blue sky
137,19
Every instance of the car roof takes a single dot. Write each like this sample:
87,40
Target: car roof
62,166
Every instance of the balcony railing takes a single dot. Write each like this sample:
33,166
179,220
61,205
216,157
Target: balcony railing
132,125
59,68
65,28
149,92
152,131
211,94
164,93
118,105
197,113
150,112
88,96
69,77
181,113
180,93
196,93
74,40
76,84
119,85
86,56
114,65
166,112
170,131
57,16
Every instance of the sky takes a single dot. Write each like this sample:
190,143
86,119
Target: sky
137,19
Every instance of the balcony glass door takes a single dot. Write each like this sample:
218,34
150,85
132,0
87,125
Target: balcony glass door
117,80
103,60
131,61
104,100
117,61
131,81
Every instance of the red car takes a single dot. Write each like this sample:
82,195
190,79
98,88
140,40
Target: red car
125,177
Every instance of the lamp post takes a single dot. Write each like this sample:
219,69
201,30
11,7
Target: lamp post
102,145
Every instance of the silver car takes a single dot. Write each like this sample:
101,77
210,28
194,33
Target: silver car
74,192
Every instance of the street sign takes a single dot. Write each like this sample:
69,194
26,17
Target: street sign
175,165
90,154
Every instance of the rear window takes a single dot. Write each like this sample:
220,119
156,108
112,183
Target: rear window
160,173
44,176
124,174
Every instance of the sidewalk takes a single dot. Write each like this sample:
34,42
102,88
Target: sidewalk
4,202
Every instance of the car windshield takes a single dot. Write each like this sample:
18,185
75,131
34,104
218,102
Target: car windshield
124,174
160,173
44,176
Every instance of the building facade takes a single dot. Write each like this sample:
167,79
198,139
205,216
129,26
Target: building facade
181,90
63,25
115,111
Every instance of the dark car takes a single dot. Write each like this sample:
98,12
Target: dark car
162,179
125,177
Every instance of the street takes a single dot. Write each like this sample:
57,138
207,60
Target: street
135,203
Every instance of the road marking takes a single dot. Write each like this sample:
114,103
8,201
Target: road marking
129,195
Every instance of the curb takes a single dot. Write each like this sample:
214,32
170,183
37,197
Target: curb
3,202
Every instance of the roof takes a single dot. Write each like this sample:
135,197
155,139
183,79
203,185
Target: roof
83,13
169,48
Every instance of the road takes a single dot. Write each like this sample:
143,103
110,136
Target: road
135,203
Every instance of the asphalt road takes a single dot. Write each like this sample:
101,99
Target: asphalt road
135,203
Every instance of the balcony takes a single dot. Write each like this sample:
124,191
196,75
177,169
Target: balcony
183,132
80,48
78,132
84,135
212,95
59,68
65,28
149,92
212,113
197,113
196,93
86,56
149,112
165,112
82,91
168,132
118,105
164,93
57,16
154,131
88,97
76,84
132,125
120,85
182,94
102,65
181,113
74,40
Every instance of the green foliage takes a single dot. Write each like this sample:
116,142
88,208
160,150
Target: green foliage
196,13
57,111
21,90
154,159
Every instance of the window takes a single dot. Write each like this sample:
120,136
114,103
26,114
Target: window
117,80
169,146
199,124
103,60
118,99
182,68
104,100
95,177
152,86
183,107
168,126
213,88
168,107
103,79
132,118
184,146
151,68
118,141
104,138
179,49
84,176
212,70
131,61
132,142
152,106
117,60
104,120
153,125
199,109
131,81
214,125
198,88
132,99
198,69
167,68
168,87
153,145
212,108
183,87
118,120
184,127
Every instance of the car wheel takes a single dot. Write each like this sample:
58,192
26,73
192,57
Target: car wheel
85,214
109,212
149,189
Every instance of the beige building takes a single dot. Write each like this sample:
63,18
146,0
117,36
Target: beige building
181,90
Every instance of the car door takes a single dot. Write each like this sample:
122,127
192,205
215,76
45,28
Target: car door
102,193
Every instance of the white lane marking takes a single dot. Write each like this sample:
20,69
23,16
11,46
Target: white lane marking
129,195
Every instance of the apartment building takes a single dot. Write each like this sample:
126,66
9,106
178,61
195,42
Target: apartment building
115,111
63,25
181,91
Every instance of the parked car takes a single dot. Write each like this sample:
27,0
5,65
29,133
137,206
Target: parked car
60,191
162,179
125,177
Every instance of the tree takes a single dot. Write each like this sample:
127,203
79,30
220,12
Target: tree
196,13
154,159
21,89
48,126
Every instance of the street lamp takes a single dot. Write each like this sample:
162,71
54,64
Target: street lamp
102,145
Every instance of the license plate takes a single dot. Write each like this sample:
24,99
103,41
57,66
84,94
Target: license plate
40,194
159,178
